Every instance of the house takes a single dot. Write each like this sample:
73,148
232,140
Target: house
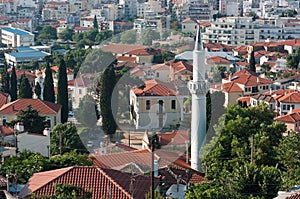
49,110
102,182
287,102
81,85
161,71
19,72
242,83
170,166
14,37
189,25
291,120
156,105
174,139
266,98
181,70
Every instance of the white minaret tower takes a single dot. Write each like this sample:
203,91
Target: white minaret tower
198,88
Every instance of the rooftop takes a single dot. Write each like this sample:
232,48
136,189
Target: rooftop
16,31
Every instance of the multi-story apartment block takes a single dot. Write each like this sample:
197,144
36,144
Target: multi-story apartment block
80,5
128,8
193,9
37,4
54,10
14,37
231,7
8,6
158,23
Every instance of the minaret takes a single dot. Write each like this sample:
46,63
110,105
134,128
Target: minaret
198,88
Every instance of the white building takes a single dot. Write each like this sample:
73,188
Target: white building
54,10
14,37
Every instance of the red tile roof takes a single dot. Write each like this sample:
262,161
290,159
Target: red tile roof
232,87
244,99
182,66
289,118
5,131
160,67
3,98
83,80
126,58
293,97
19,72
144,51
217,60
43,107
104,183
121,48
176,137
248,78
155,88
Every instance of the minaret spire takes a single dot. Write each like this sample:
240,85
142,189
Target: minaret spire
198,43
198,88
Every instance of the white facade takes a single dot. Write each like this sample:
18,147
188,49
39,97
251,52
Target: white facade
14,37
55,10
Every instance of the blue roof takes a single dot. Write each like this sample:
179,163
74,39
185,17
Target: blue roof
24,48
16,31
28,54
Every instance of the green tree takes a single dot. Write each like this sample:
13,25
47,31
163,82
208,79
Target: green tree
95,23
25,90
252,62
48,32
128,37
86,114
148,36
38,90
293,59
5,81
48,93
31,120
62,90
66,34
108,82
13,91
65,135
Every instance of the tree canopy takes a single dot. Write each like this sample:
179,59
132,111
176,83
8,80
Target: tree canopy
25,90
13,91
62,90
66,136
31,120
128,37
252,62
232,169
48,92
148,36
48,32
87,114
66,34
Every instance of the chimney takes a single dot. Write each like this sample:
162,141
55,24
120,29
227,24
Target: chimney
270,90
291,109
155,168
257,79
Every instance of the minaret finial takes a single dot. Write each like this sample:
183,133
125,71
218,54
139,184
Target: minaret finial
198,43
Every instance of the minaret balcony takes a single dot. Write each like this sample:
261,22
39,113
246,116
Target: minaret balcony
199,87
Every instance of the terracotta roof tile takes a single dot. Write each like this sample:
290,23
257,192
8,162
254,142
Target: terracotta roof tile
103,182
247,78
289,118
244,99
160,67
3,98
126,58
232,87
176,137
293,97
5,131
217,60
121,48
155,88
43,107
181,66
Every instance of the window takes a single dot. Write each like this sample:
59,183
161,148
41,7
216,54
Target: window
173,104
157,75
3,120
54,120
148,104
79,92
284,107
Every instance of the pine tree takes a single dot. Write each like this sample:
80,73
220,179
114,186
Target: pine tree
25,90
252,62
48,94
5,81
95,23
62,95
108,82
13,91
38,90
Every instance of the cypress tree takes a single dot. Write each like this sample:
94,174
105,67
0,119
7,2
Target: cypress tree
48,94
5,81
62,95
38,90
13,91
252,62
95,23
108,82
25,90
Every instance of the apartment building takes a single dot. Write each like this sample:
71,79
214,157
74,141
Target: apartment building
14,37
54,10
